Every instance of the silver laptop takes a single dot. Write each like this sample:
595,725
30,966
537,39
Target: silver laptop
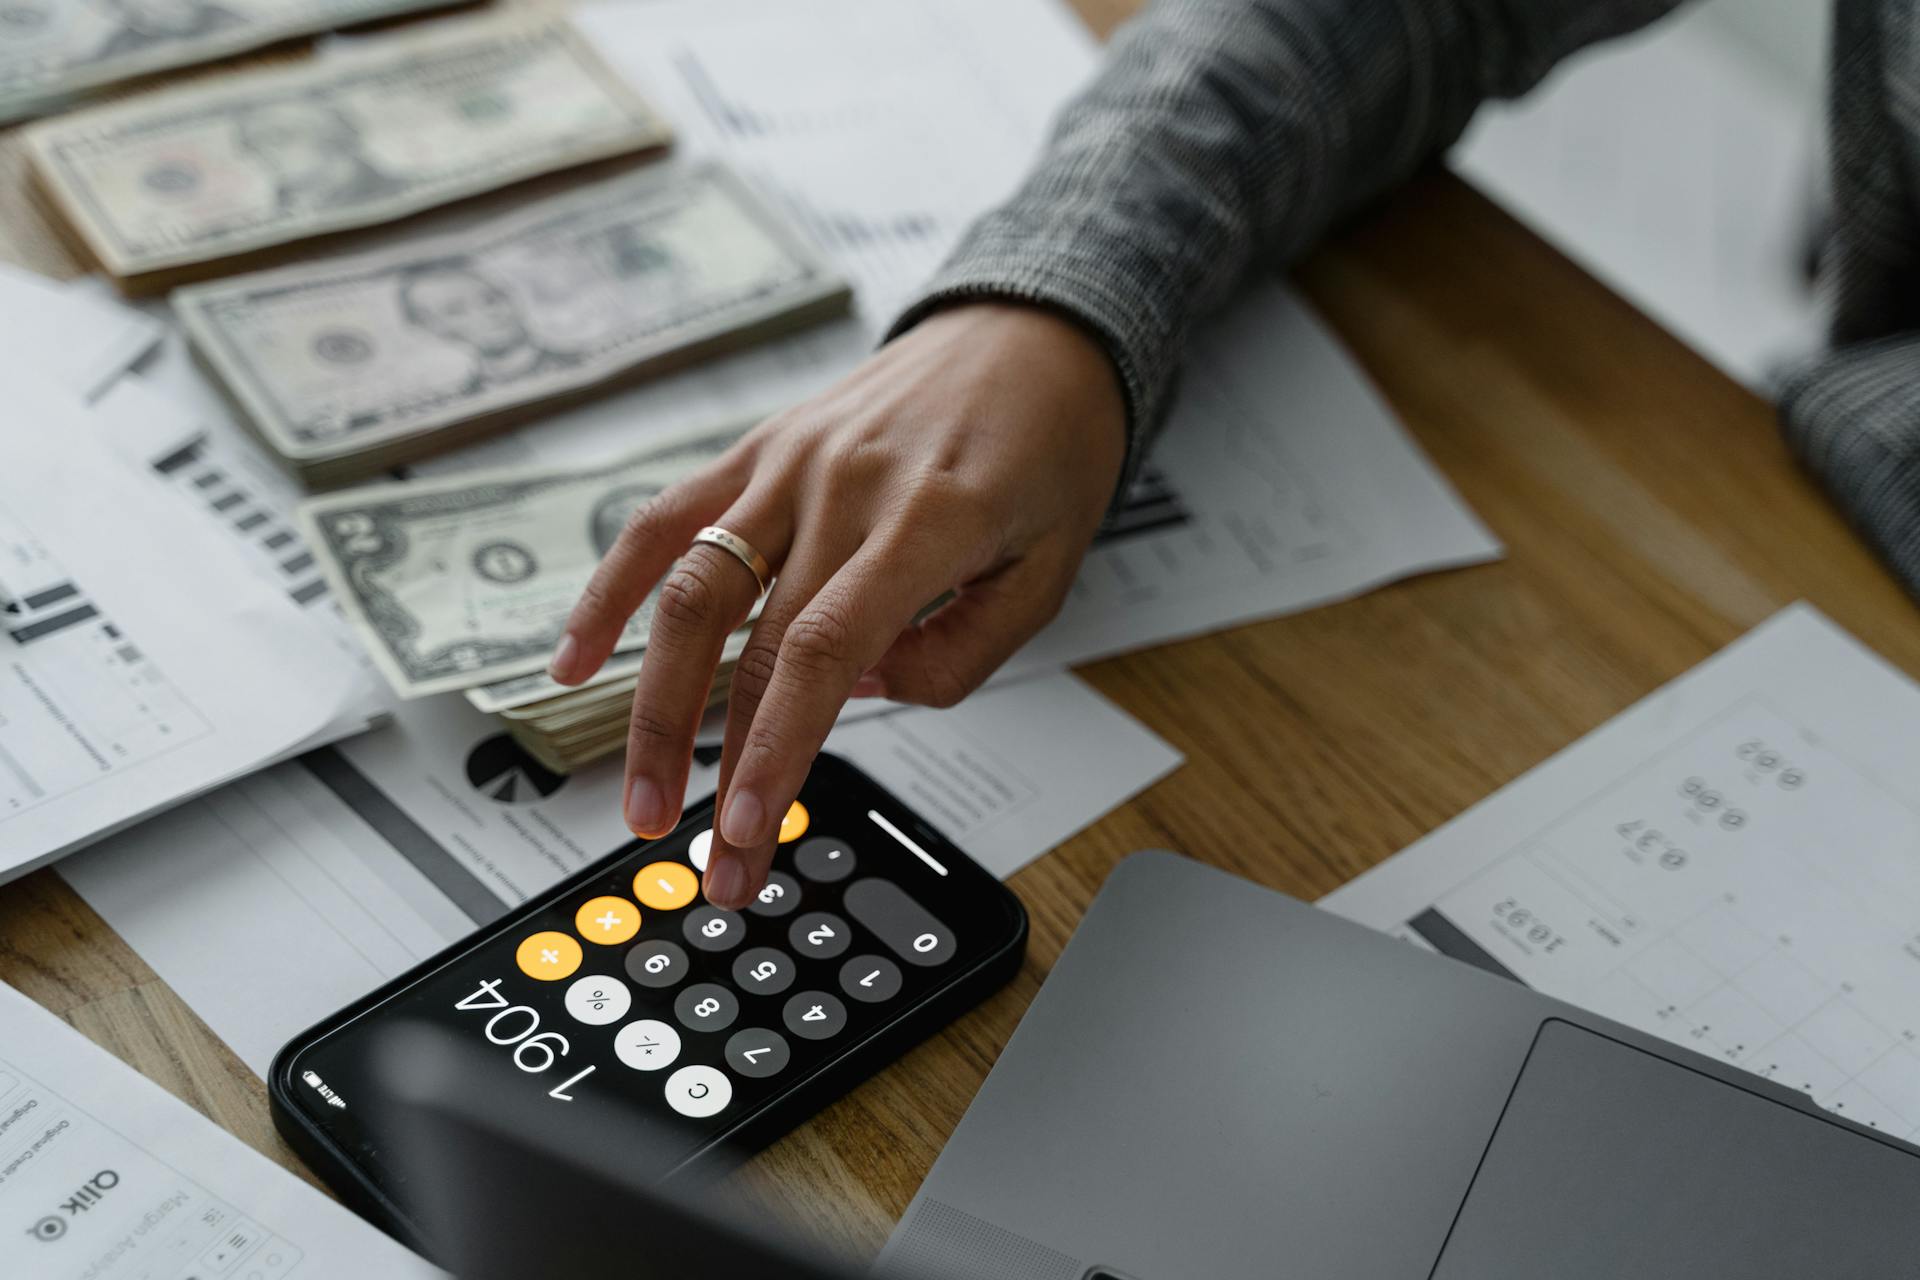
1218,1081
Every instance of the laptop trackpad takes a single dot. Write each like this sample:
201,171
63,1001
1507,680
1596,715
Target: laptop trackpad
1612,1162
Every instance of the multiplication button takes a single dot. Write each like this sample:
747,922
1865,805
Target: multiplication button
870,979
814,1015
757,1053
706,1006
597,1000
824,860
697,1092
657,963
820,935
711,929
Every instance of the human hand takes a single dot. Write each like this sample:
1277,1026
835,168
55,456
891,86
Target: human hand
976,454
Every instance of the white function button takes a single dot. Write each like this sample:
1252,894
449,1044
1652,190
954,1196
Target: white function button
597,1000
697,851
698,1092
646,1045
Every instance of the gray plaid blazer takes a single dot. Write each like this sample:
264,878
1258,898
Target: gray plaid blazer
1223,136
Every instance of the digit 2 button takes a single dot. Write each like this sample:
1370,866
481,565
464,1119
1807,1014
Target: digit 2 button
819,935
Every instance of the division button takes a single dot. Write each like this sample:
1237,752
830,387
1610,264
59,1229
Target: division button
908,929
549,956
646,1045
597,1000
706,1006
870,979
666,886
794,824
758,1053
711,929
780,895
697,1092
608,921
814,1015
820,935
763,971
824,860
657,963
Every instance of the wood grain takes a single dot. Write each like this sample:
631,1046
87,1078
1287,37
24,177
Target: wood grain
1651,515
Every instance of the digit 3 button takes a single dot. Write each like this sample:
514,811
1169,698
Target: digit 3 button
870,979
712,929
780,895
657,963
757,1053
819,935
697,1092
824,860
706,1006
597,1000
646,1045
763,971
549,956
814,1015
607,921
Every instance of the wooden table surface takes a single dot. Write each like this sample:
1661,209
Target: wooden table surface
1651,515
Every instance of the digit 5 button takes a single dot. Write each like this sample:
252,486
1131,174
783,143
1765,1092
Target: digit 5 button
666,886
549,956
699,1091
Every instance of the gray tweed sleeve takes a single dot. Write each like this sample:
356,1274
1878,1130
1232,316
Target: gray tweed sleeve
1223,135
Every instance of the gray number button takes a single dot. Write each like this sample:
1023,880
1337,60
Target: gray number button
762,971
757,1053
711,929
870,979
779,896
907,928
824,860
814,1015
706,1006
820,935
657,964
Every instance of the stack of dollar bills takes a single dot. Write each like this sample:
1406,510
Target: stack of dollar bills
224,172
464,583
350,366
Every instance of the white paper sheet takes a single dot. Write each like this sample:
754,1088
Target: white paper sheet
1682,168
1732,863
72,335
106,1176
139,662
277,900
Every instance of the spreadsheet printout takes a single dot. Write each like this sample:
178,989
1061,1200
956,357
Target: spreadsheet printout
1732,864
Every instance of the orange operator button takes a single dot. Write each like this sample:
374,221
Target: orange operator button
549,956
666,886
608,921
794,825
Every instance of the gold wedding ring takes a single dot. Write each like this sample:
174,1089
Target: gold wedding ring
740,549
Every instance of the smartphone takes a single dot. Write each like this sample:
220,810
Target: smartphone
700,1035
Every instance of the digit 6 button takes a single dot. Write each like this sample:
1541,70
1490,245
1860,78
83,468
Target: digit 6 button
711,929
819,935
706,1006
814,1015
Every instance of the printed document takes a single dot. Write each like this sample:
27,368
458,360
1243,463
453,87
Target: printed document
1732,864
73,336
104,1175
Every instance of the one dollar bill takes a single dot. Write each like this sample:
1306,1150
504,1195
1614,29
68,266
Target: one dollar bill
52,51
350,366
469,579
229,166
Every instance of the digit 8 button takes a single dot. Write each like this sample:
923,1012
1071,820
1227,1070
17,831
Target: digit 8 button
549,956
666,886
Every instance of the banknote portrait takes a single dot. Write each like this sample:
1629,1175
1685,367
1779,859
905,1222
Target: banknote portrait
143,24
315,153
457,304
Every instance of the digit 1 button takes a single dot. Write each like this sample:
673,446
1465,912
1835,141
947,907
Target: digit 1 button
757,1053
657,963
666,886
814,1015
870,979
608,921
597,1000
762,971
777,897
646,1045
908,929
712,929
820,935
549,956
706,1006
794,824
823,860
697,1092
